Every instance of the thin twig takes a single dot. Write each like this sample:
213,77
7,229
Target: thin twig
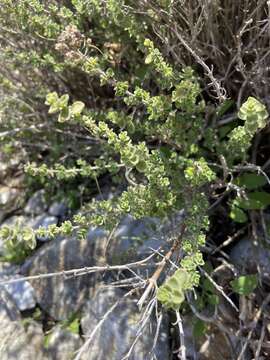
229,240
255,322
258,350
99,324
220,91
153,280
219,289
181,335
159,321
144,320
83,271
17,130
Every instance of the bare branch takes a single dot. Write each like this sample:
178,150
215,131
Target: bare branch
153,280
182,349
220,91
84,271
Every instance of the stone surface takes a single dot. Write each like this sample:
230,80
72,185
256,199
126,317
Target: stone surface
10,200
58,209
129,242
22,293
9,163
19,220
8,309
58,296
36,205
16,342
7,195
247,256
114,339
63,344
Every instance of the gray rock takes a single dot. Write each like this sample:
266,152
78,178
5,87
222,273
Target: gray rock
36,205
125,241
10,200
10,162
7,195
22,293
3,168
96,233
18,220
8,310
136,230
63,344
58,209
45,221
114,339
16,342
60,296
247,256
150,245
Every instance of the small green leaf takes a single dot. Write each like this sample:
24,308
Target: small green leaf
208,286
64,115
251,181
255,201
148,59
224,107
171,293
141,166
63,101
238,215
199,328
54,108
226,129
46,340
245,285
254,111
51,98
213,299
76,108
74,326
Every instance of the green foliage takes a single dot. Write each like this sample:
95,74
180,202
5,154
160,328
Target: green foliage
237,214
19,241
256,200
118,109
250,181
60,105
245,284
171,293
199,173
254,113
199,328
72,324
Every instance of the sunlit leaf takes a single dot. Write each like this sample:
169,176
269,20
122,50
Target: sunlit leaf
245,284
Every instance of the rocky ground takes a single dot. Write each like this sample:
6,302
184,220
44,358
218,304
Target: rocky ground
53,318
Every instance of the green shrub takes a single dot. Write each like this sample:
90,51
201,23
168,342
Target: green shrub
18,242
89,70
